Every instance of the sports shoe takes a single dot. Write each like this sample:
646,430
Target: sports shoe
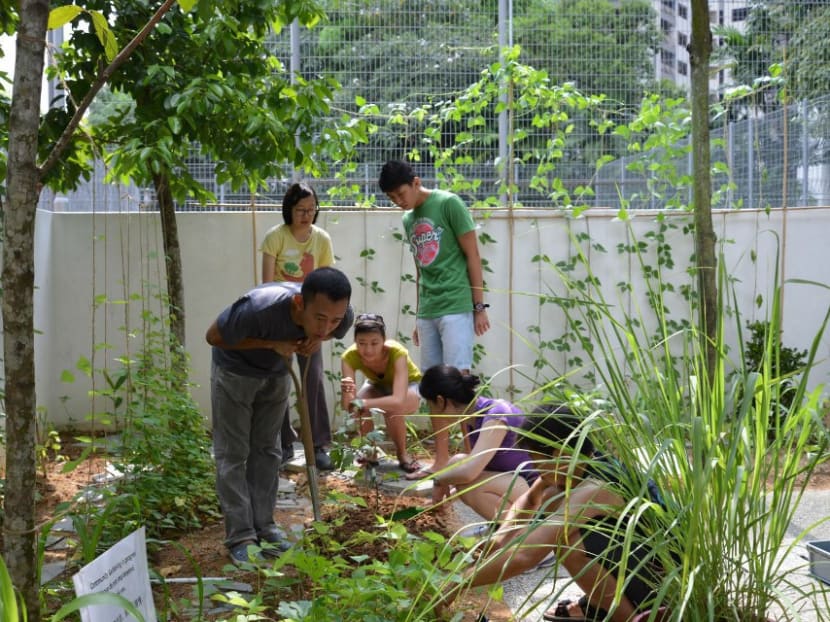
322,459
273,543
240,555
272,534
548,561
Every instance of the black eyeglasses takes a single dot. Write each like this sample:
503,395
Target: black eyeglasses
305,212
369,317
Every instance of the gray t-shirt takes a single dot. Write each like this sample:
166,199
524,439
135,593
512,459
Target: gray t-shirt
263,313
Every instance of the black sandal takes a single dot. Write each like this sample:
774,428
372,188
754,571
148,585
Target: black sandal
560,613
413,466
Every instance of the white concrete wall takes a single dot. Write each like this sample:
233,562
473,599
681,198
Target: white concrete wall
83,257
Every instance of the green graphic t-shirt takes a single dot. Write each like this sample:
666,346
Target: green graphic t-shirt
432,231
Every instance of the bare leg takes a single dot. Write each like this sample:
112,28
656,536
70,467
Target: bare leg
396,423
596,581
364,420
396,428
492,494
589,503
441,432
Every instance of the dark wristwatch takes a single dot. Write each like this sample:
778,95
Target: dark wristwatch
480,306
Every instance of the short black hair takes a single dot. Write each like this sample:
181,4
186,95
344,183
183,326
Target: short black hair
328,281
296,192
394,174
553,424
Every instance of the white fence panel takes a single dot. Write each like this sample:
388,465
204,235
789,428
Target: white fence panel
84,257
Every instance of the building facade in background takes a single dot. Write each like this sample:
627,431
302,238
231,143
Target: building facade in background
672,61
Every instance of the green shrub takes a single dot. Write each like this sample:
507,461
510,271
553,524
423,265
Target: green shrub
163,449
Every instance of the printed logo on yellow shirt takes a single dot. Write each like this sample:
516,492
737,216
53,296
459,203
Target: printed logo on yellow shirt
292,271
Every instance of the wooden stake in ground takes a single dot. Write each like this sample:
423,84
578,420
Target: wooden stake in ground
307,439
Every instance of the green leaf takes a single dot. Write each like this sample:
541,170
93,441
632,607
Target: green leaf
104,34
102,598
73,464
187,5
67,376
175,124
62,15
8,597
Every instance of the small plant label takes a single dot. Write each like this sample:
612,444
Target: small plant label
120,570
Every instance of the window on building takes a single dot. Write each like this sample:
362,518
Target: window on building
665,26
739,15
667,58
683,11
669,4
682,68
682,39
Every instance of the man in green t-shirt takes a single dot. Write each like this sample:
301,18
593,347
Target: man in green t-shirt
442,237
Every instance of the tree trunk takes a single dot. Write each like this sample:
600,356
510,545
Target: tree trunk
172,263
23,178
700,50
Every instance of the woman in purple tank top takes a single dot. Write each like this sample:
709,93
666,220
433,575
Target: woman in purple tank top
493,471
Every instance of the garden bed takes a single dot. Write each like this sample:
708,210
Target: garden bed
202,552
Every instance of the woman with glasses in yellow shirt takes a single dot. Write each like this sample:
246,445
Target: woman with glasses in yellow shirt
289,252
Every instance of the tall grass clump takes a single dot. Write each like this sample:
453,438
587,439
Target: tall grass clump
730,468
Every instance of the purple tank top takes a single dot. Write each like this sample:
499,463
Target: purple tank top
509,457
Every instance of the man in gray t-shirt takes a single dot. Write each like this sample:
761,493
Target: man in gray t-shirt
253,341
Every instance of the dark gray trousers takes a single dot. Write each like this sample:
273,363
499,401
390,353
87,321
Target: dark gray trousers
247,415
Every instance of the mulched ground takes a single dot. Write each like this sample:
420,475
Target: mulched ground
203,553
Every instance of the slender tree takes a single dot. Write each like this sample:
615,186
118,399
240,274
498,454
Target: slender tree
700,49
23,177
208,86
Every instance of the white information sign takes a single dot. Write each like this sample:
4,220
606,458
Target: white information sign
120,570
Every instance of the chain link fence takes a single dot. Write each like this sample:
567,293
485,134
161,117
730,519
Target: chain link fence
405,54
